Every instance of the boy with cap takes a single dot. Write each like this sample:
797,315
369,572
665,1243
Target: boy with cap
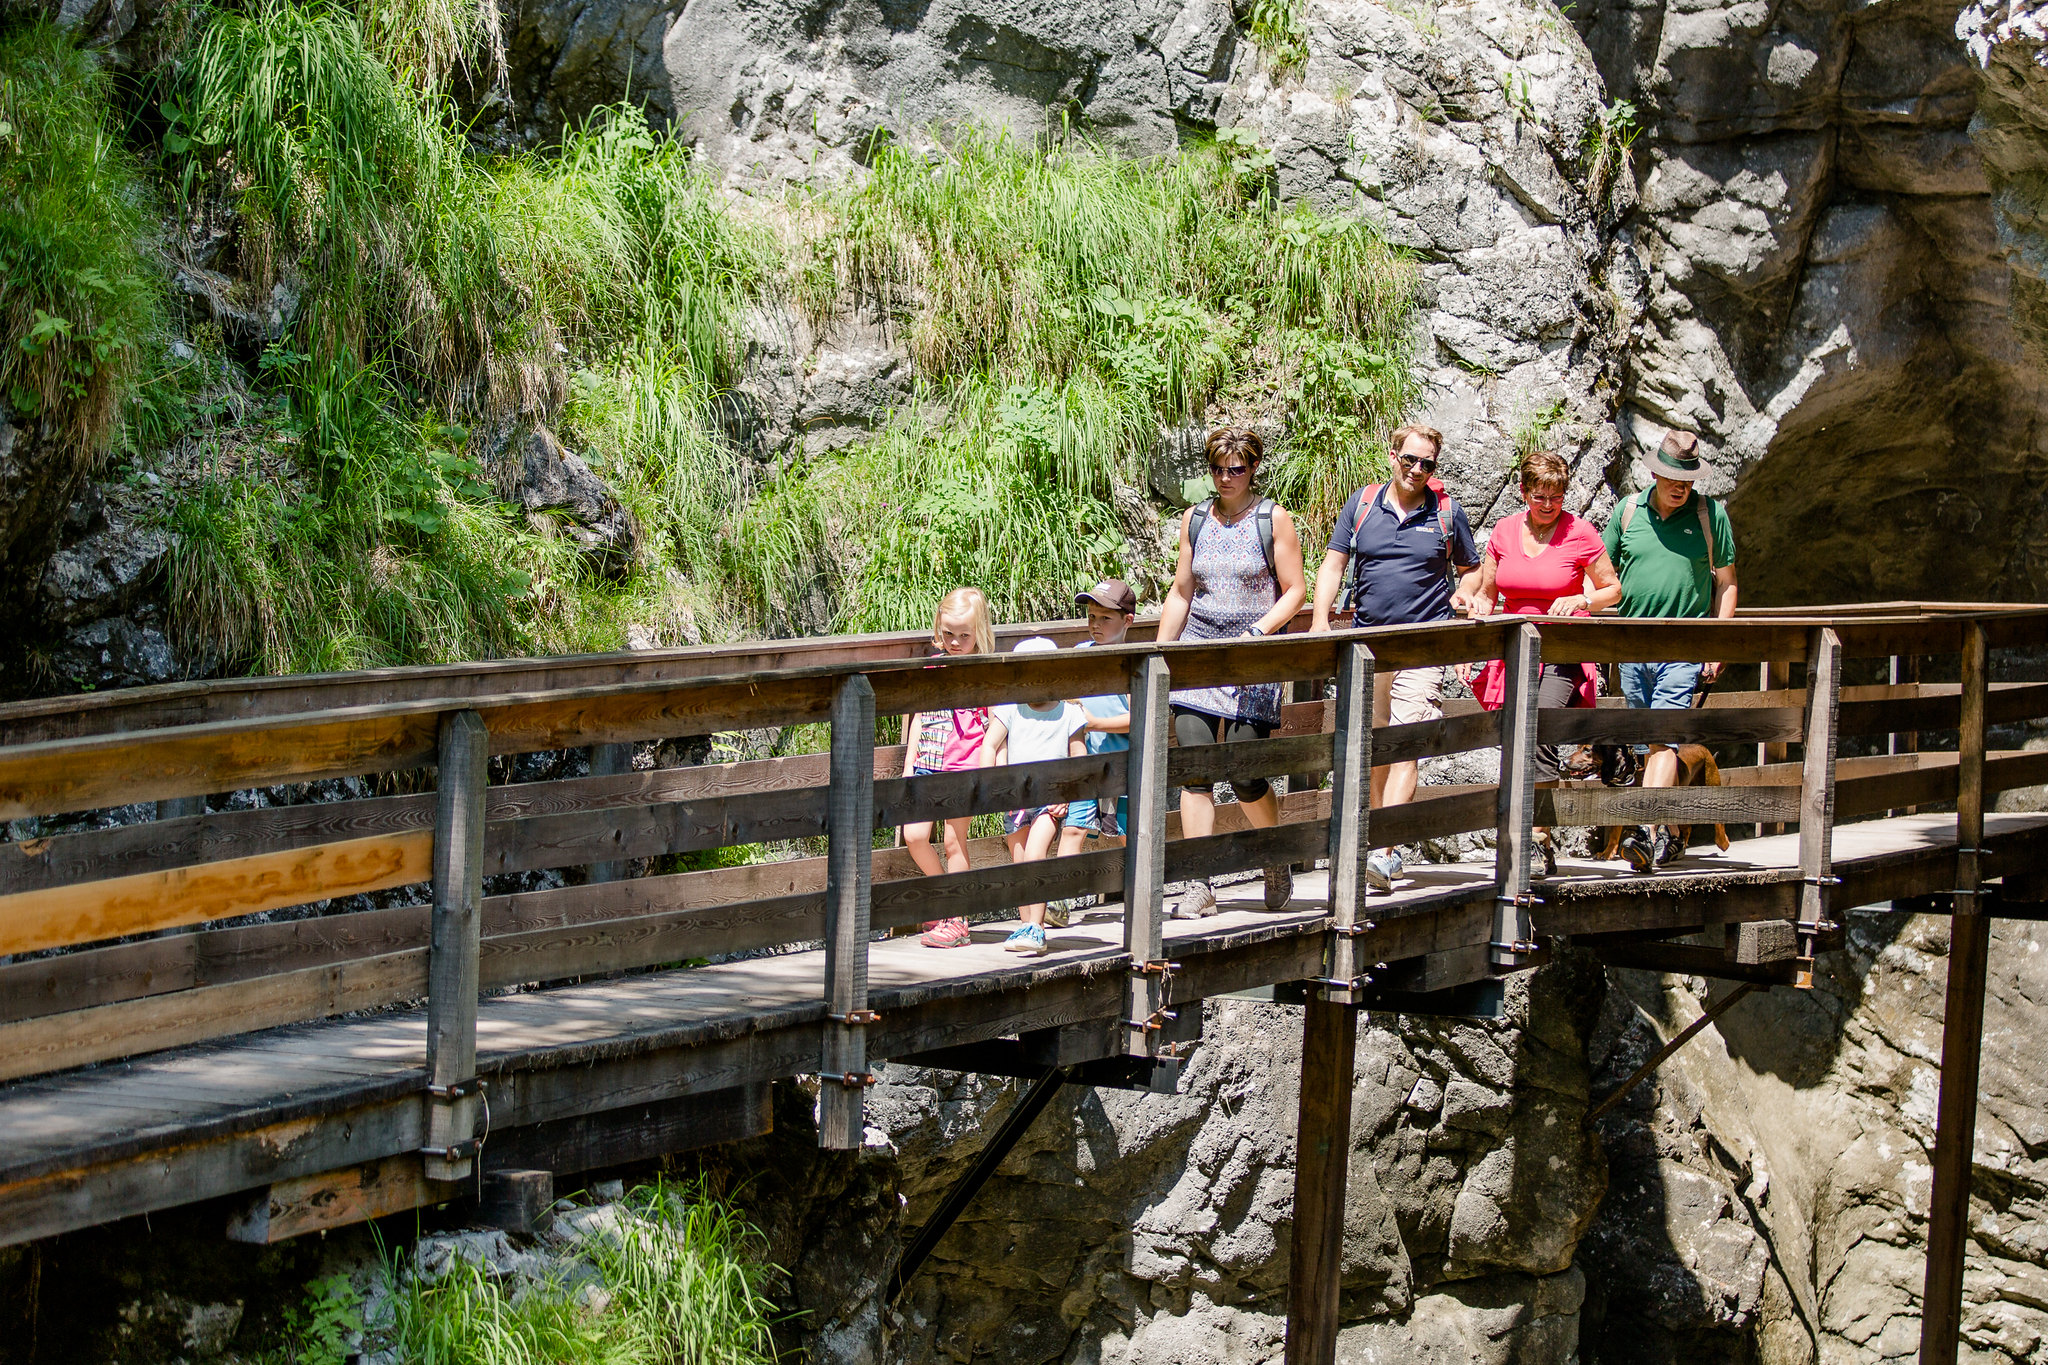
1111,606
1675,551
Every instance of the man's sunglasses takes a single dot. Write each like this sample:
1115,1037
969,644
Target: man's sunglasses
1417,462
1230,471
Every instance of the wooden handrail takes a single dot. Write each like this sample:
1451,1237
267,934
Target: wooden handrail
82,889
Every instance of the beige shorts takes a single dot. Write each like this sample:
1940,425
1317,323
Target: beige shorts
1408,696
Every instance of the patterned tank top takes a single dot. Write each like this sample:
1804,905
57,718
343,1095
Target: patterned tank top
1233,589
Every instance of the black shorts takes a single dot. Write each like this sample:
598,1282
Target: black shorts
1194,728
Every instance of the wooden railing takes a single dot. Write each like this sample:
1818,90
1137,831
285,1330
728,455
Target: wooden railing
123,985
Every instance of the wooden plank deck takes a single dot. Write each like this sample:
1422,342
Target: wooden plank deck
588,1047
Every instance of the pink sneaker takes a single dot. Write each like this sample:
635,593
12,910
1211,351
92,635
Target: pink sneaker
947,933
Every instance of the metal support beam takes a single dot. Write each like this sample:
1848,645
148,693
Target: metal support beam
1322,1151
1685,1035
1962,1030
962,1194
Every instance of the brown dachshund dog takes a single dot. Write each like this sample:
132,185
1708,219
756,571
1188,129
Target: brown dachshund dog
1617,765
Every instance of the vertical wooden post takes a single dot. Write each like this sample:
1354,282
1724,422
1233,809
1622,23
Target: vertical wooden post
177,808
1905,669
1962,1030
609,760
1305,690
1145,854
1817,795
1322,1152
1774,676
849,877
1350,815
460,779
1516,837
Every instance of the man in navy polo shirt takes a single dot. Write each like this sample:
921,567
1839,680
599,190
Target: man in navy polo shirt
1410,539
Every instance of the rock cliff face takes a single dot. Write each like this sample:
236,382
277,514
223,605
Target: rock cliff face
1153,1229
1827,296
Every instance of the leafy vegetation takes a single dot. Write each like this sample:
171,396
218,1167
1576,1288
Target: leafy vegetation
345,505
676,1282
1280,30
81,311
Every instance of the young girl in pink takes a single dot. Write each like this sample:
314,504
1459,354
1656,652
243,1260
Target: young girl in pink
946,742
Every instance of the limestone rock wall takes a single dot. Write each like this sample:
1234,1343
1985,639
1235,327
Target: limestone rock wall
1154,1229
1827,297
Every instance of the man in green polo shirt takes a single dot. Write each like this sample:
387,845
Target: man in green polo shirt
1675,552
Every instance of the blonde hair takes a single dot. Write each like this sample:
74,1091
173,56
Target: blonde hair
1429,434
1545,470
971,603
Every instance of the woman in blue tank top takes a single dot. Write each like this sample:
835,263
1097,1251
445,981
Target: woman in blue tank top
1239,574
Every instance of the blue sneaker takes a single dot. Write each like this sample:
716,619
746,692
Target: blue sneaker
1029,938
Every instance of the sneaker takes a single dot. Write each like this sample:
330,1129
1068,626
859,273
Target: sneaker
946,933
1197,902
1381,869
1667,848
1059,913
1279,887
1546,858
1636,847
1028,939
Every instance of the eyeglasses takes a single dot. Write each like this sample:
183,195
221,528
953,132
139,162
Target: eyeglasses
1546,499
1230,471
1417,462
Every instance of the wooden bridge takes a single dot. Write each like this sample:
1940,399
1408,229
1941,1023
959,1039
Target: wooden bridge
166,1037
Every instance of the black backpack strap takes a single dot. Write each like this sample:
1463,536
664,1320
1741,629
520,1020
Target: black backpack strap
1197,522
1266,506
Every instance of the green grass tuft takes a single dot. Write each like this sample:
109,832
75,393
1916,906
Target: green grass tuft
81,308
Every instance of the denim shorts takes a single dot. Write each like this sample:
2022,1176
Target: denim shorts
1659,687
1015,820
1087,813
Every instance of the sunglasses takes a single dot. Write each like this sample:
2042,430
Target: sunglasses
1230,471
1417,462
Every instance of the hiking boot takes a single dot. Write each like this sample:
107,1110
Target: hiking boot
1546,858
1667,849
1381,869
1197,902
1058,913
1028,939
946,933
1279,887
1638,849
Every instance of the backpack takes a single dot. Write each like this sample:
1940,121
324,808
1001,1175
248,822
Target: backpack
1265,515
1446,506
1628,512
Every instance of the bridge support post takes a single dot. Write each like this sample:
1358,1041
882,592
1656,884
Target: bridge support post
1962,1029
1513,926
849,877
1817,796
609,760
1145,856
1322,1153
1350,820
454,946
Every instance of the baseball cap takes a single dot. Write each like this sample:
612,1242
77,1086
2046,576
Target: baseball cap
1111,593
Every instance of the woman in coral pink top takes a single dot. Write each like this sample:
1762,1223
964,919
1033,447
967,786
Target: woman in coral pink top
1545,562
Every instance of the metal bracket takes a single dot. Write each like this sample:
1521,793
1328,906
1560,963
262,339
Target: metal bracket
456,1151
1979,852
1339,983
1358,930
1154,968
855,1018
852,1080
1519,946
1820,881
1526,898
458,1090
